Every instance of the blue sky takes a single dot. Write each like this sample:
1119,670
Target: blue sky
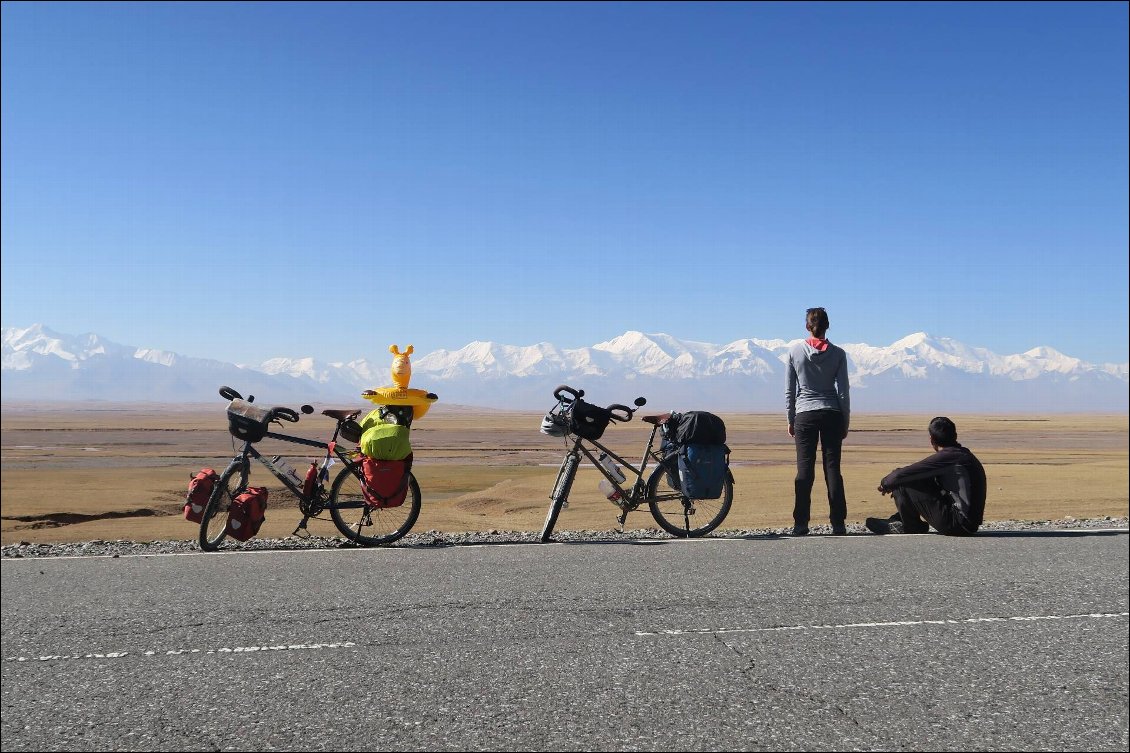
241,181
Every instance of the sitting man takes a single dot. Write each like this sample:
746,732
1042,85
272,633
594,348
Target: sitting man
946,488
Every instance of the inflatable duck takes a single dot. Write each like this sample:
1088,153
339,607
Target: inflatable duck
399,393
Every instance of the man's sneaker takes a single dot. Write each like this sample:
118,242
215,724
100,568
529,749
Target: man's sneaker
798,531
840,530
881,526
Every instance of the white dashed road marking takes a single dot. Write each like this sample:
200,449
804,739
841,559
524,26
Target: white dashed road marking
180,651
901,623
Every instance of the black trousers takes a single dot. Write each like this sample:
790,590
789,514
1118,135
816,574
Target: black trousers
921,505
827,428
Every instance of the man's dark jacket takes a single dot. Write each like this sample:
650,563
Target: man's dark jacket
958,474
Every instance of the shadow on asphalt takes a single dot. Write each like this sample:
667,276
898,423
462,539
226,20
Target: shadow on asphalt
1059,533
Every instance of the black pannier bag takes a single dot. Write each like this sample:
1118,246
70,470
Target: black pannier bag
697,441
588,421
351,431
699,427
247,422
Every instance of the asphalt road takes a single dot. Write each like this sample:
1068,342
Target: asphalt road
1002,642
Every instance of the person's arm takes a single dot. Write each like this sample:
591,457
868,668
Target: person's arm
844,391
790,393
926,468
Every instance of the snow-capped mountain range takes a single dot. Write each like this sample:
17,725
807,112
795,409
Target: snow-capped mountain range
918,373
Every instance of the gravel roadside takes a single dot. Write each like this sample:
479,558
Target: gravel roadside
437,539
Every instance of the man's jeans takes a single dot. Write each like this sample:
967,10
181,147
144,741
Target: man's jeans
827,426
924,499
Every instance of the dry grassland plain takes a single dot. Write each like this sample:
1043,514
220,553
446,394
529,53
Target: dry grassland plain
79,473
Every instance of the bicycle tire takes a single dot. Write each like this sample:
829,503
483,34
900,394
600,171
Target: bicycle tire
352,514
560,494
672,511
214,521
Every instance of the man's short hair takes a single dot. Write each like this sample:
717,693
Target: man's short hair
943,432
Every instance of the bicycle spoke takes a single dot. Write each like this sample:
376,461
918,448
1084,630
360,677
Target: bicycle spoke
364,523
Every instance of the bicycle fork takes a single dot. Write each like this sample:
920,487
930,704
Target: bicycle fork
565,476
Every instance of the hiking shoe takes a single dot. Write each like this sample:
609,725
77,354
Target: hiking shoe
881,526
798,531
878,525
839,530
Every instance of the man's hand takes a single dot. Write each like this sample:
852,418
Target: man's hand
884,490
791,432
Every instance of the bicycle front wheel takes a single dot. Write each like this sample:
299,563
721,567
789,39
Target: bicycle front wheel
560,494
214,523
363,523
679,516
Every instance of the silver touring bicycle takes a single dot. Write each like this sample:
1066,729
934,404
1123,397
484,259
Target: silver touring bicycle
582,425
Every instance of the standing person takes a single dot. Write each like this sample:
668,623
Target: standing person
818,407
946,488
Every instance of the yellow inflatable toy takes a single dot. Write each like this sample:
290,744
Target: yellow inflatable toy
400,393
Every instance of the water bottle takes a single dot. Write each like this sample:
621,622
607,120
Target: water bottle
286,469
610,466
610,491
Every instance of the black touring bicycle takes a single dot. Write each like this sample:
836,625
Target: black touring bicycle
582,425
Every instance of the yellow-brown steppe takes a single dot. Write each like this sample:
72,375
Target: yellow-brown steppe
126,468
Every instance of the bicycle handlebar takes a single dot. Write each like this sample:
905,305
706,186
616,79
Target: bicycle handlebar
617,407
560,390
287,414
621,413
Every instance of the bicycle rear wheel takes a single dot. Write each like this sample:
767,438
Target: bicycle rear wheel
679,516
363,523
214,522
560,494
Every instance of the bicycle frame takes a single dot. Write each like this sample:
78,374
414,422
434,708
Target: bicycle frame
629,500
330,448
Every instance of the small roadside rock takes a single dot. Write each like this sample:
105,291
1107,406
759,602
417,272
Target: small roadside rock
434,539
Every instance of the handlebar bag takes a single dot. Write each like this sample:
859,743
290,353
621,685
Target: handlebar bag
247,422
199,491
385,481
588,421
247,513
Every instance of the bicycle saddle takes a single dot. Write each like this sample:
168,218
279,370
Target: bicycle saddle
657,420
341,414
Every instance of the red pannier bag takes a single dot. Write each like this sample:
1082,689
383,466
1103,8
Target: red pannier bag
386,481
199,490
247,513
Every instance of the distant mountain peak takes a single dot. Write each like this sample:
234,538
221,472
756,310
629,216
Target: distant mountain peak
913,340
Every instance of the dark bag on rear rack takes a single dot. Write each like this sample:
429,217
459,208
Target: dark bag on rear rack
199,491
697,441
699,427
703,469
386,481
588,421
247,422
247,513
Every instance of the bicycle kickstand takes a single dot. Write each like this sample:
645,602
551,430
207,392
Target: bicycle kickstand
623,517
301,531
